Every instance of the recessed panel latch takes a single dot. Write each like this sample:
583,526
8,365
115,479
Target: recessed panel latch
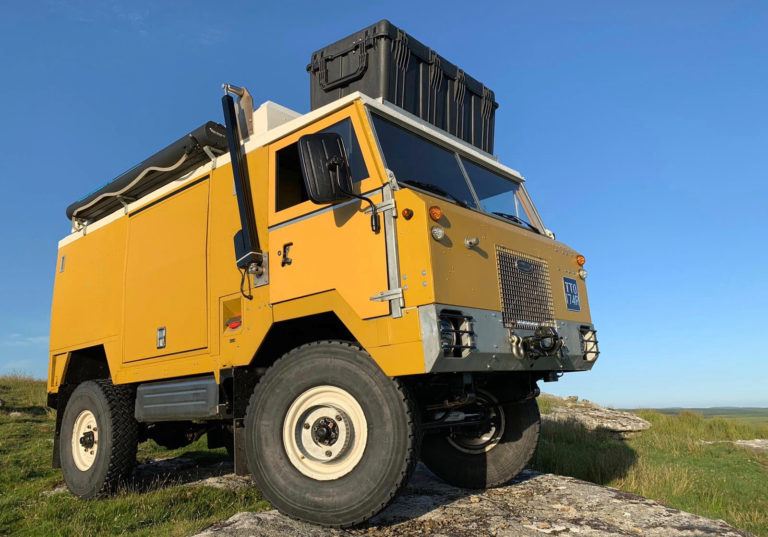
161,337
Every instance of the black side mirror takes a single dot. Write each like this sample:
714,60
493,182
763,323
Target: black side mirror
325,167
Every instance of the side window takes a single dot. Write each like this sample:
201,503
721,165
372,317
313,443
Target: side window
356,163
289,182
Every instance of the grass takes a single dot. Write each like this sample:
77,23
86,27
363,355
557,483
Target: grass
667,463
756,416
26,473
670,464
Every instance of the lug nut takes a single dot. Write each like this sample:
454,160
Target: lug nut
338,417
306,425
328,453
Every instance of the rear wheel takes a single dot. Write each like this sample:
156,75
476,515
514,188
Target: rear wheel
486,456
98,438
330,439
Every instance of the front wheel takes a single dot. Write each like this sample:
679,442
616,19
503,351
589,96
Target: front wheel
486,456
330,439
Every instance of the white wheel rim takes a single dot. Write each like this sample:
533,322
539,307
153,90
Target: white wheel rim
325,433
85,440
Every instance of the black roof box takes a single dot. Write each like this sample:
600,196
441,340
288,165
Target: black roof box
384,61
107,199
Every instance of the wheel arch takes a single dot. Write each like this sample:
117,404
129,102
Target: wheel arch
282,337
286,335
88,363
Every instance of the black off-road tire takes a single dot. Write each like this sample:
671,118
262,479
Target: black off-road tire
392,442
500,464
113,409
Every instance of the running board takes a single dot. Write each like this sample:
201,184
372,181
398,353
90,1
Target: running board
182,399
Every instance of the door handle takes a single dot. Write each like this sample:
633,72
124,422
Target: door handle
286,260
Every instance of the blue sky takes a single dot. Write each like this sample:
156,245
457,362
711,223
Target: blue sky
642,129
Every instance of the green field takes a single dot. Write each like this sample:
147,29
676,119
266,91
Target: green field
160,509
755,415
666,463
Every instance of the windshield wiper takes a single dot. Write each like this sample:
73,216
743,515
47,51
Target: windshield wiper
515,219
436,190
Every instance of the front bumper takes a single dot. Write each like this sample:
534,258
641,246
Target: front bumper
490,346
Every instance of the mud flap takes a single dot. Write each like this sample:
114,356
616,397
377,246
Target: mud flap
241,461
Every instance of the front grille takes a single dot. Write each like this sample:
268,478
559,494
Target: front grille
526,292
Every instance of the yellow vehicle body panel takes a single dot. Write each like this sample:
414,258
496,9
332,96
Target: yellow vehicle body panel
165,276
88,289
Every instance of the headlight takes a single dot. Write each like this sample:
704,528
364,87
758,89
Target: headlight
447,334
583,274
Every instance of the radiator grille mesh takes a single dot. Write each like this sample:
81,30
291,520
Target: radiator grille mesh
526,292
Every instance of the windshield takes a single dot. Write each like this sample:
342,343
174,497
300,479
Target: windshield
423,164
497,195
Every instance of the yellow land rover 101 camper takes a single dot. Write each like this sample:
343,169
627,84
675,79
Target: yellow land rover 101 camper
330,296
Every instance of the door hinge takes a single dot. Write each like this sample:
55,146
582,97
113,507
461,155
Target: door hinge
384,206
392,180
391,294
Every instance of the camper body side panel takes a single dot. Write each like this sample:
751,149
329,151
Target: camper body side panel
87,306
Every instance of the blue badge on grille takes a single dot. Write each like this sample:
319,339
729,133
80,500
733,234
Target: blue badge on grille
571,294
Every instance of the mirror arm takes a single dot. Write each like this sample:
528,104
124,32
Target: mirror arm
375,222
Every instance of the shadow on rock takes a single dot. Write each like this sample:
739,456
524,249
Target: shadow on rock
426,493
569,448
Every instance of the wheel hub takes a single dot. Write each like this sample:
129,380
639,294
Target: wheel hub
85,440
325,433
88,440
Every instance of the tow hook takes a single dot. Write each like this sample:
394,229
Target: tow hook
544,342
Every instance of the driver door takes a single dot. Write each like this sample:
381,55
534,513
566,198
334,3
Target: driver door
318,248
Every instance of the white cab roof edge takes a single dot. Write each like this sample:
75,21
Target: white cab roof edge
283,121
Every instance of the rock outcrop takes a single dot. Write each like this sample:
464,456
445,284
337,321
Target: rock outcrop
535,504
758,444
597,418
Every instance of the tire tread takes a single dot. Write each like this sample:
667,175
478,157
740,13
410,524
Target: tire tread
122,458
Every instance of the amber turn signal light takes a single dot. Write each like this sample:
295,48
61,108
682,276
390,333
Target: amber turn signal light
580,260
407,214
435,213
